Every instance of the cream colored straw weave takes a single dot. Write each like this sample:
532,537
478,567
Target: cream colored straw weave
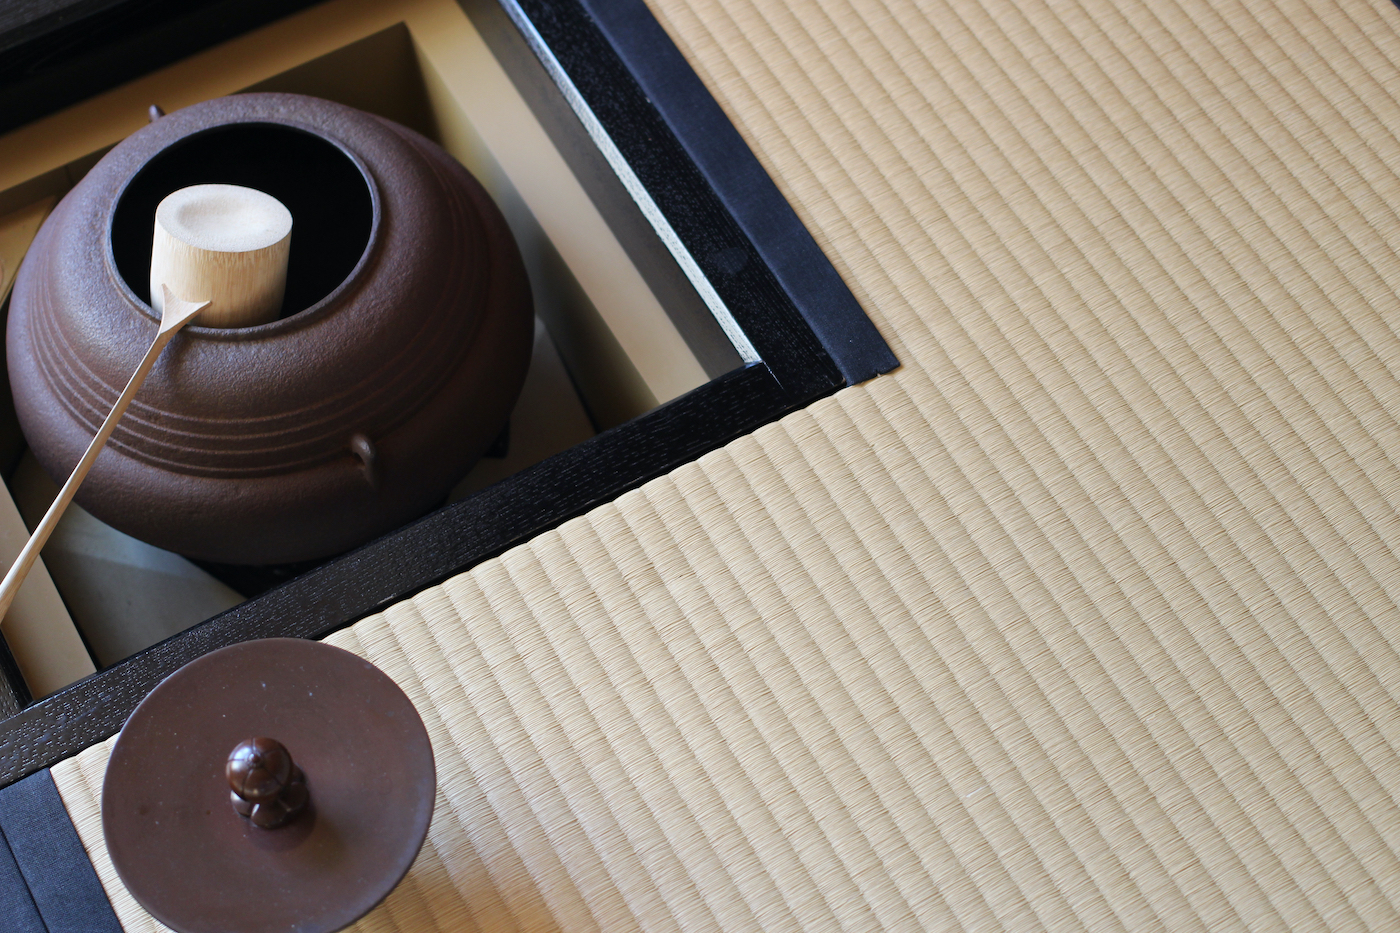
1084,619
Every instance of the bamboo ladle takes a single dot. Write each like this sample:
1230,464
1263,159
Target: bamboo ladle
176,314
222,240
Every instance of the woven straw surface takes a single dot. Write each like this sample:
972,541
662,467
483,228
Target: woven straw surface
1084,618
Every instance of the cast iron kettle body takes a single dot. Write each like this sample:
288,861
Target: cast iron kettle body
405,336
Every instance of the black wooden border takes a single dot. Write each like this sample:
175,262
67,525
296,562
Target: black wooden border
57,52
790,303
718,160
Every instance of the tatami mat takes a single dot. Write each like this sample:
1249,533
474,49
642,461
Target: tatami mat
1084,619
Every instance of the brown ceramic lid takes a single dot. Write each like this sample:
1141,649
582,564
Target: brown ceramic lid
199,867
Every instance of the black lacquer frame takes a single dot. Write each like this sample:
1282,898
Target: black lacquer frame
617,64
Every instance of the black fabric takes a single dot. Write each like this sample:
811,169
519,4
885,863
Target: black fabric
54,867
745,188
17,911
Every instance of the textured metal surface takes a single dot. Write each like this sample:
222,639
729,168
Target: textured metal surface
196,864
409,326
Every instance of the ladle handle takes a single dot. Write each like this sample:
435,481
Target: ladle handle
177,313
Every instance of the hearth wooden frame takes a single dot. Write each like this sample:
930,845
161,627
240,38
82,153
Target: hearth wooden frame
660,152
